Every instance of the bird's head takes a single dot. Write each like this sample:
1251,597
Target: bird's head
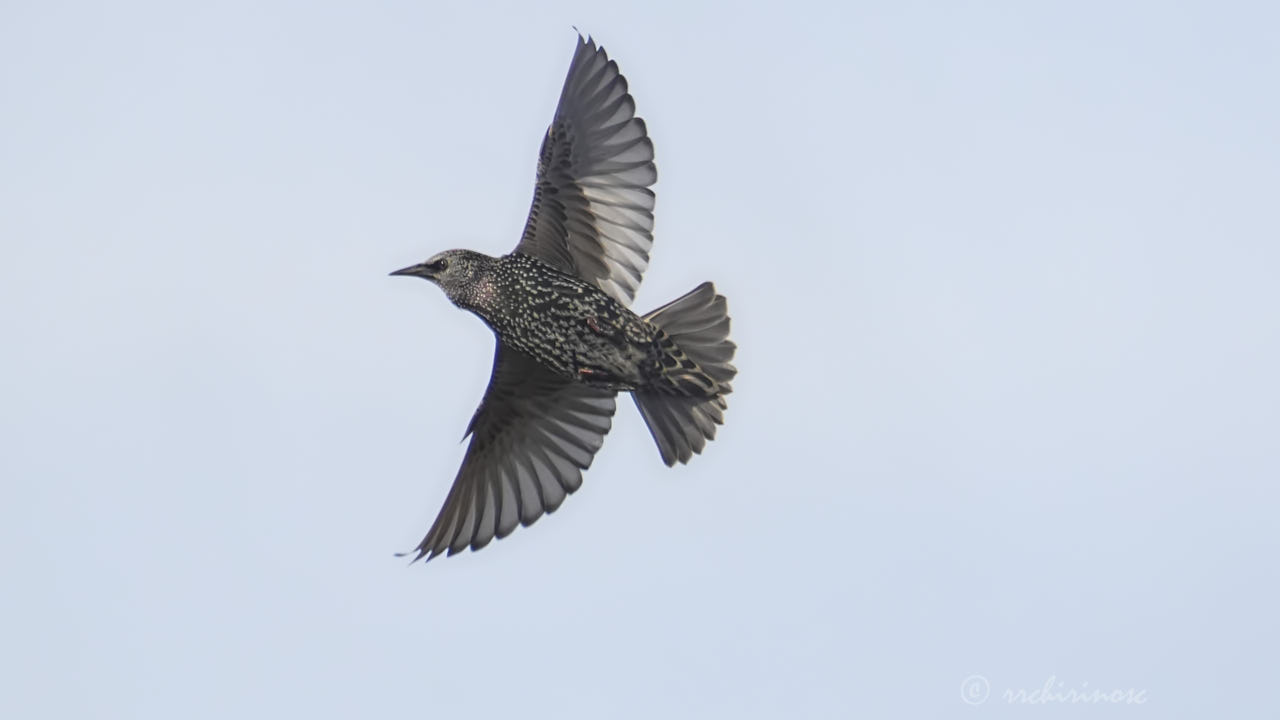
459,273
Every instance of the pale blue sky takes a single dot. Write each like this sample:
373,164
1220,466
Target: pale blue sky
1003,278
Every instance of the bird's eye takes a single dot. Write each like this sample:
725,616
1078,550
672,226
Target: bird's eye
438,265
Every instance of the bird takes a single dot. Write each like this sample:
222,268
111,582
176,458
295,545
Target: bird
566,343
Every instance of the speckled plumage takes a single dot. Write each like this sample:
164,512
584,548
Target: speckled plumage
567,325
572,327
566,341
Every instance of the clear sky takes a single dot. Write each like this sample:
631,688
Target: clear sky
1003,278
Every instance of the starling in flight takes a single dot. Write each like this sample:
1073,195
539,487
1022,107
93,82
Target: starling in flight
566,342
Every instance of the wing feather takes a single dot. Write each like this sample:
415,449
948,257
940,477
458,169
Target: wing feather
531,438
592,211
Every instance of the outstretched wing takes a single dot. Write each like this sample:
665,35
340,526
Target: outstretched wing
531,438
592,213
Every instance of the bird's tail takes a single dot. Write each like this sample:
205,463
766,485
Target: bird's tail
685,403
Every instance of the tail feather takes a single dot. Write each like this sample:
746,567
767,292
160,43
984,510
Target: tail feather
683,409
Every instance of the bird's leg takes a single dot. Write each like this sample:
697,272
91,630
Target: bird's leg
591,323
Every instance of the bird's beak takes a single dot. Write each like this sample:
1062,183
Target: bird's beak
419,270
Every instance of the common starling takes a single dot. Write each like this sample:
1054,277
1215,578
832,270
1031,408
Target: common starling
566,342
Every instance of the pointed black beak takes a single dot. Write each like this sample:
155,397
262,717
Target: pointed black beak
420,270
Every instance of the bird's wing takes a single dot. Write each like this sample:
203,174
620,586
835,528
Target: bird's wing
531,438
592,213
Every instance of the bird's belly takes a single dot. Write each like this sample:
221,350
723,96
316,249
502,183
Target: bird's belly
588,356
597,361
